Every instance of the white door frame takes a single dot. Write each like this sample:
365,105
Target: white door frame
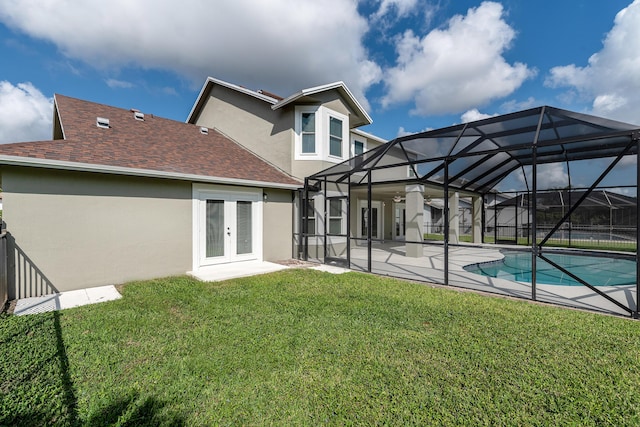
377,204
230,195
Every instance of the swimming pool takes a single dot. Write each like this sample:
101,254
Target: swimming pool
595,270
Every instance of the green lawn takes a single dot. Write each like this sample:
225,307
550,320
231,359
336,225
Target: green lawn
302,347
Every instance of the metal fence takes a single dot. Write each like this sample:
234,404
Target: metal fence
574,236
3,270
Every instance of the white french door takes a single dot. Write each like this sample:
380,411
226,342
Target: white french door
376,219
227,226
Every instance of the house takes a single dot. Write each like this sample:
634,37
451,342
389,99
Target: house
603,214
120,195
301,134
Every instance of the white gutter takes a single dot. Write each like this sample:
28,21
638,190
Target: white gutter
118,170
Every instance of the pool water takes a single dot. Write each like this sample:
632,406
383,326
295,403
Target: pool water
595,270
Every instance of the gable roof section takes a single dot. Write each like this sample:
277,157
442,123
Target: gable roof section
362,115
276,102
153,147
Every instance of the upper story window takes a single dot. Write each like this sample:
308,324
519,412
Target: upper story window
358,147
308,132
321,134
335,137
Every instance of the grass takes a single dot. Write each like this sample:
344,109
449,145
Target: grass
302,347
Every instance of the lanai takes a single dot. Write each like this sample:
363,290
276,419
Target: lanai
467,160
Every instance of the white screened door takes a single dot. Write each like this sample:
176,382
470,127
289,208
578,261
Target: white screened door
228,227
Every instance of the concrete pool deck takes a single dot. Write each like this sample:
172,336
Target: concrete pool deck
389,259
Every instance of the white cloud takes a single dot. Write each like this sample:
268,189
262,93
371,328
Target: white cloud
278,45
473,115
513,105
400,7
119,84
505,108
612,77
550,176
25,113
403,132
458,67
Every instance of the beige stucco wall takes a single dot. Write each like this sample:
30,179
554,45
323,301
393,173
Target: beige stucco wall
267,133
252,123
277,214
71,230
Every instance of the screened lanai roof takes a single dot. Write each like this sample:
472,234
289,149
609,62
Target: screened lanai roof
480,154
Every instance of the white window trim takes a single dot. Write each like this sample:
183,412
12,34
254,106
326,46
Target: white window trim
342,217
299,155
328,114
358,138
323,116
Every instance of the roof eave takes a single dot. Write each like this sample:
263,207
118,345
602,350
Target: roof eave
148,173
370,136
360,111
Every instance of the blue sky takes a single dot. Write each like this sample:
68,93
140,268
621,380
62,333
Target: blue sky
414,64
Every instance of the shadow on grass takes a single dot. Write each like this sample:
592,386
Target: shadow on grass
36,387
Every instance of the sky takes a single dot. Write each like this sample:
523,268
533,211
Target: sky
413,64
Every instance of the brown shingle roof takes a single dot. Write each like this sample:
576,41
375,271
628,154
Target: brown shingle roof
155,144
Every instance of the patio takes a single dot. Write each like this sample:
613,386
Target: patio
388,259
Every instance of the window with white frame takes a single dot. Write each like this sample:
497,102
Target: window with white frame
336,215
308,132
358,147
335,137
321,134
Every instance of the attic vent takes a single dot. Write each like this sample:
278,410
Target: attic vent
101,122
204,130
138,115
